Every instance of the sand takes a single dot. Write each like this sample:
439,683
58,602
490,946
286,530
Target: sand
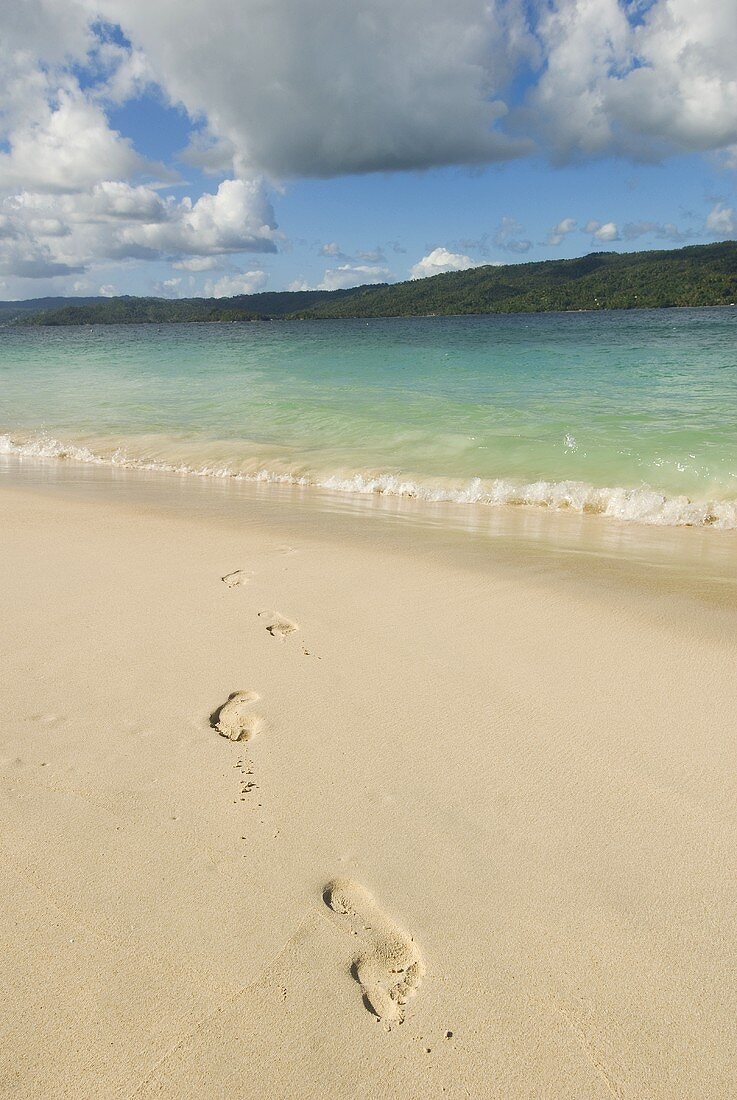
288,811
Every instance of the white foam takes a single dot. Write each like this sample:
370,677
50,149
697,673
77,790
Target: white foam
639,505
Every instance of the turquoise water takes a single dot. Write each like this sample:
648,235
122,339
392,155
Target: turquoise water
632,414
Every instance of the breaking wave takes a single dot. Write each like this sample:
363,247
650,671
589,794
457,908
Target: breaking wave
639,505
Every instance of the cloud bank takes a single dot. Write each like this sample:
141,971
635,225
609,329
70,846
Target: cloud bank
330,88
282,90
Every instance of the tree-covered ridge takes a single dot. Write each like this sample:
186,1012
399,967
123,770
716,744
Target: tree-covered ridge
700,275
128,310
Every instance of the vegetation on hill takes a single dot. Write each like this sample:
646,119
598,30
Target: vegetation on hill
128,310
11,312
700,275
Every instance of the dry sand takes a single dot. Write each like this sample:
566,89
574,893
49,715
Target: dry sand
478,839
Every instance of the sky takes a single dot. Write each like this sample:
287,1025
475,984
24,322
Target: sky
219,147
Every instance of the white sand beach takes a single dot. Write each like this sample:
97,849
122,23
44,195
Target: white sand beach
479,841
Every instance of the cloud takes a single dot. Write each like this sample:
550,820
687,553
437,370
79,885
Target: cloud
438,261
349,275
240,282
606,232
198,263
372,255
237,218
661,231
721,221
69,149
507,236
422,83
47,235
168,288
334,88
280,90
561,230
333,250
643,80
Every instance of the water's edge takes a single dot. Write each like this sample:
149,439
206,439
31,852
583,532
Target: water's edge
642,505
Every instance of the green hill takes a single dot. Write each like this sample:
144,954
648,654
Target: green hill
127,310
700,275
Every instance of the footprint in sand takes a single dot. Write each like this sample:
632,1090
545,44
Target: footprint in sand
389,966
277,625
237,579
234,719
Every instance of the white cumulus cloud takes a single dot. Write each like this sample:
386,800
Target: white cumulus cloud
240,282
438,261
561,230
348,275
236,218
44,235
640,79
721,220
607,231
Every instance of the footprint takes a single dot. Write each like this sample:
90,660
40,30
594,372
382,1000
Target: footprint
389,966
237,579
277,625
234,719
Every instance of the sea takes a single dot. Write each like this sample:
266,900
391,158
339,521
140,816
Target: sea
630,415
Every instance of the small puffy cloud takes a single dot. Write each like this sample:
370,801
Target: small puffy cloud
198,263
240,282
439,261
607,232
721,221
168,288
333,250
369,256
662,231
372,255
507,236
602,232
348,275
561,230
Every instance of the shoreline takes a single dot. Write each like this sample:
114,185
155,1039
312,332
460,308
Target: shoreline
640,505
512,764
19,322
558,546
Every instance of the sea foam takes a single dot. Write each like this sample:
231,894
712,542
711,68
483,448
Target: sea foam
633,504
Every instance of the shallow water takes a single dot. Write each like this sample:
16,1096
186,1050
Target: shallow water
630,414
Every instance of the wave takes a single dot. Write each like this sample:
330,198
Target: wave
639,505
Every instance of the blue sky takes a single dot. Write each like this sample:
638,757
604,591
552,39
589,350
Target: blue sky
169,150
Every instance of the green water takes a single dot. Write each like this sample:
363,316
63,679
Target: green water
631,413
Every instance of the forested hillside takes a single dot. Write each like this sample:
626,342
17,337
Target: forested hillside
701,275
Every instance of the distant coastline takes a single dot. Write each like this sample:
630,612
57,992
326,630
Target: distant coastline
699,275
